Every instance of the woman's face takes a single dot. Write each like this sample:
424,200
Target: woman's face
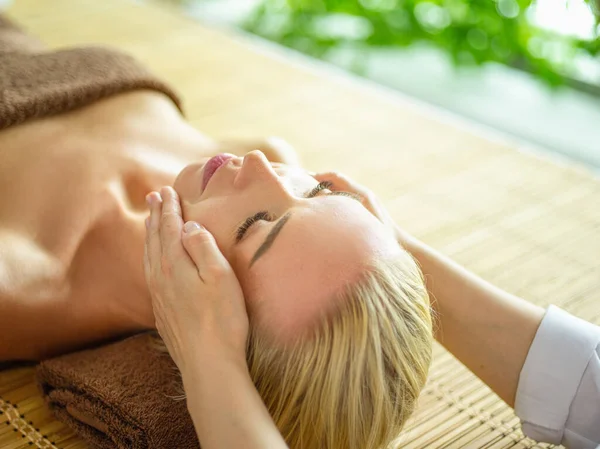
292,245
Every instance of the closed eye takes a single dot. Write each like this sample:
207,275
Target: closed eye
266,216
323,185
241,231
327,185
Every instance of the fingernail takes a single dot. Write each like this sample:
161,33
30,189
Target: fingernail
191,226
149,199
165,191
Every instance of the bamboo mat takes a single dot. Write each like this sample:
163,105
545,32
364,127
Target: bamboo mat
526,223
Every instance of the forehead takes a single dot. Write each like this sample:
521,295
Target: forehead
321,249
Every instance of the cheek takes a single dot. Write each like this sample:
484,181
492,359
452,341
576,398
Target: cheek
219,217
188,181
210,213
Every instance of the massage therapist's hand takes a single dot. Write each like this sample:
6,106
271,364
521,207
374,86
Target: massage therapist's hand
201,315
197,300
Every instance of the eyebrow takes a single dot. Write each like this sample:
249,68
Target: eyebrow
270,238
277,228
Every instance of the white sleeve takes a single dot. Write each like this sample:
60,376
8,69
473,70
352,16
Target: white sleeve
558,396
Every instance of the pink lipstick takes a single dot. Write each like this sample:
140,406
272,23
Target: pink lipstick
213,164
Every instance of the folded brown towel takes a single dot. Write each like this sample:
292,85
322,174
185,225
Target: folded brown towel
37,83
124,395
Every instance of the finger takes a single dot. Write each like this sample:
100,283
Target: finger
202,248
339,181
146,259
171,223
153,249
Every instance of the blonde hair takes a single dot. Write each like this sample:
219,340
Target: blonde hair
353,381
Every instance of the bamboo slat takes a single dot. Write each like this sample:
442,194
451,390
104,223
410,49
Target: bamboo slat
525,222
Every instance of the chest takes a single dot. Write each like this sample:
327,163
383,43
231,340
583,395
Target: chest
72,211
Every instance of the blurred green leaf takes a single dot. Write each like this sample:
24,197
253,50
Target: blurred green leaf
469,31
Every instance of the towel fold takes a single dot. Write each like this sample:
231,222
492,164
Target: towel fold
122,395
36,82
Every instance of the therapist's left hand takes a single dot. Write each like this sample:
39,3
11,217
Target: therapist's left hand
197,300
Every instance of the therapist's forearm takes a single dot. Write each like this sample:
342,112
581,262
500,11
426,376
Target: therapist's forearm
487,329
226,408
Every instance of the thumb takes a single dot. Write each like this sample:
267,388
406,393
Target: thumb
201,246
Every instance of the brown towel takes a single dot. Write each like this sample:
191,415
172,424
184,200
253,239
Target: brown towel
122,395
35,83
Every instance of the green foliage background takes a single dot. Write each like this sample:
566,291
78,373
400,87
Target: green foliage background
470,31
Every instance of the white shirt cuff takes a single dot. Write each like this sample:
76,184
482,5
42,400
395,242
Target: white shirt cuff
552,373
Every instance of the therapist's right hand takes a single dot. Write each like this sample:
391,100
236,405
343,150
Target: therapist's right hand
197,300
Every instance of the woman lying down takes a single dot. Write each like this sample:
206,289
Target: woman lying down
297,295
341,337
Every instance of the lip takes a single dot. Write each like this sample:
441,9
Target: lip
212,165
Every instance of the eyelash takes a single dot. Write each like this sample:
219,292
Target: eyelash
327,185
263,215
321,186
266,216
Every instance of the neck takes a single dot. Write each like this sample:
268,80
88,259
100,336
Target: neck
84,222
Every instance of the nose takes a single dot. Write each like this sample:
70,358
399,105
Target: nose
255,168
